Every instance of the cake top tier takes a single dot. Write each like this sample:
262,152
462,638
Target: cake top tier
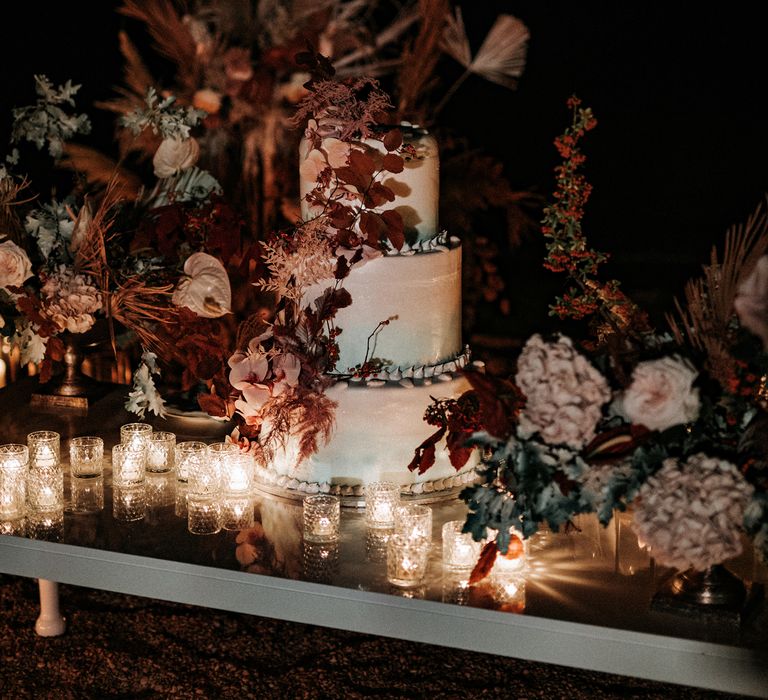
326,164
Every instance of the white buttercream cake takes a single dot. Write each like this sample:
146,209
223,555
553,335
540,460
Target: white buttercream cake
379,419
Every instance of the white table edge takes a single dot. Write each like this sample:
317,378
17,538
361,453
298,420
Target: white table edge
653,657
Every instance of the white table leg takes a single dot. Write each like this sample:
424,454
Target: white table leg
50,623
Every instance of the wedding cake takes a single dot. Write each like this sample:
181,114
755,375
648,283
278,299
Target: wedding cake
406,313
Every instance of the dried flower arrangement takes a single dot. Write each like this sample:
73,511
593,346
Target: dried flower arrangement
151,265
671,423
236,62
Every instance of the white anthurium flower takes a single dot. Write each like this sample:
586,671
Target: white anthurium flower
174,155
205,289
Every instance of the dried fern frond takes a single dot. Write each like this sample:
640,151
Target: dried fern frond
171,36
10,197
704,319
420,57
99,169
357,62
708,308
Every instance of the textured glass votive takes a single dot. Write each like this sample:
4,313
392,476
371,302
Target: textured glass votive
381,499
237,512
46,525
136,435
203,515
161,453
45,489
321,515
129,463
204,476
189,454
376,541
414,520
238,472
86,457
161,490
13,480
509,592
44,449
319,561
129,502
180,502
407,560
87,495
515,559
460,551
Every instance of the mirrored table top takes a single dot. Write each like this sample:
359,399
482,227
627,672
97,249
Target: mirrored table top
592,575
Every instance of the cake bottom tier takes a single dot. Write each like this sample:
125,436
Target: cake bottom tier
378,427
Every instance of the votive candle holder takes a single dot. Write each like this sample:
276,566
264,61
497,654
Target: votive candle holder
321,515
136,435
407,559
45,525
414,520
189,454
161,452
86,457
129,463
238,473
203,515
460,551
45,489
129,502
13,480
87,495
204,476
161,490
44,449
381,499
237,512
319,561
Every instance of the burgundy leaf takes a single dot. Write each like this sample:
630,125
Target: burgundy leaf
395,227
485,563
373,227
393,163
393,139
213,405
377,195
424,454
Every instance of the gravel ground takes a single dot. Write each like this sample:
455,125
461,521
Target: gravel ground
120,646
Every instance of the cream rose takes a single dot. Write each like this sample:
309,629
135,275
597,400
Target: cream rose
174,155
15,267
661,394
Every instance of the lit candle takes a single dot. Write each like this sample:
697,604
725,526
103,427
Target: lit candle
407,560
381,499
321,515
128,464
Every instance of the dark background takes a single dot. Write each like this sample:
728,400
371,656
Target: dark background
679,154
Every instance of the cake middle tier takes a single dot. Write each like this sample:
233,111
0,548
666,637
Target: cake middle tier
420,293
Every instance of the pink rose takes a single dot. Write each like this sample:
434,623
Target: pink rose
661,394
15,267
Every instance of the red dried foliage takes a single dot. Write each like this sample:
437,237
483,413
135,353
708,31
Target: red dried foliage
485,563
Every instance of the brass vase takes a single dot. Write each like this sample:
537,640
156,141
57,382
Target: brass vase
714,592
71,388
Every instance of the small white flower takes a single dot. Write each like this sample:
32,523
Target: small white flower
174,155
30,344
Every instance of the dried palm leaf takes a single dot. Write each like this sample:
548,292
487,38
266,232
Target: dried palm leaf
704,320
171,36
417,75
99,169
501,58
10,191
358,62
